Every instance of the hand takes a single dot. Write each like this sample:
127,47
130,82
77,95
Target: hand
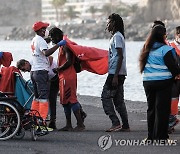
62,43
1,54
177,77
115,81
55,70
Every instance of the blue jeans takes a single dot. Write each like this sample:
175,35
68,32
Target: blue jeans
68,107
114,97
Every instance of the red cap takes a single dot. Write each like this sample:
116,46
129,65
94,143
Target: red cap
38,25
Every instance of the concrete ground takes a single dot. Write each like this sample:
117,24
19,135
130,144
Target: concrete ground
94,139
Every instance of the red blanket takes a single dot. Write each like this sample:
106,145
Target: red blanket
6,59
7,80
92,59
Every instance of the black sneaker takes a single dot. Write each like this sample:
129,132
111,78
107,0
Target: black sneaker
125,129
52,124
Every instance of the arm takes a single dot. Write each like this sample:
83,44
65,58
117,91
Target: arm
171,64
119,63
50,51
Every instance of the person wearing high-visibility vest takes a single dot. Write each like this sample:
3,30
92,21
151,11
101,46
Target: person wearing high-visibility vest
173,120
159,69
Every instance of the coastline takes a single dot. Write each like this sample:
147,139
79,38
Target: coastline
137,32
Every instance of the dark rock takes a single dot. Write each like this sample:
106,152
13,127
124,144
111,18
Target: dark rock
133,31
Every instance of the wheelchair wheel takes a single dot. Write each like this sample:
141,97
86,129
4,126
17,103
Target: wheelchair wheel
9,120
20,133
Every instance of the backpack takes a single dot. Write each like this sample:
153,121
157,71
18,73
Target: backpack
77,65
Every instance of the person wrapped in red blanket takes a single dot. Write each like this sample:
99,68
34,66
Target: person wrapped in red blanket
91,59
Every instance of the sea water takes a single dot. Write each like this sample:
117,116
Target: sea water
89,83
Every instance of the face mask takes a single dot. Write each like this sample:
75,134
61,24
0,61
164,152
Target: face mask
46,33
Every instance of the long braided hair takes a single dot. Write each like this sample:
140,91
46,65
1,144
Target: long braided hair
117,24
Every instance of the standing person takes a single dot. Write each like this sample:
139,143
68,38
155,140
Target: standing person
40,68
158,66
67,83
53,93
159,22
173,120
113,90
25,66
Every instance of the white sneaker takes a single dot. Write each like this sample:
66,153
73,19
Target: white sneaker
43,128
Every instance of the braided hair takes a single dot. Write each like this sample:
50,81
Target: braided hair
117,24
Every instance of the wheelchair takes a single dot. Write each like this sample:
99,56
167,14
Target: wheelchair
15,114
15,120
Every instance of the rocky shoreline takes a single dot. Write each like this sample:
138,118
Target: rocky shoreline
133,31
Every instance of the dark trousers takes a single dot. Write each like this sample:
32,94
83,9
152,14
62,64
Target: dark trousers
54,88
40,81
158,95
176,89
114,97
